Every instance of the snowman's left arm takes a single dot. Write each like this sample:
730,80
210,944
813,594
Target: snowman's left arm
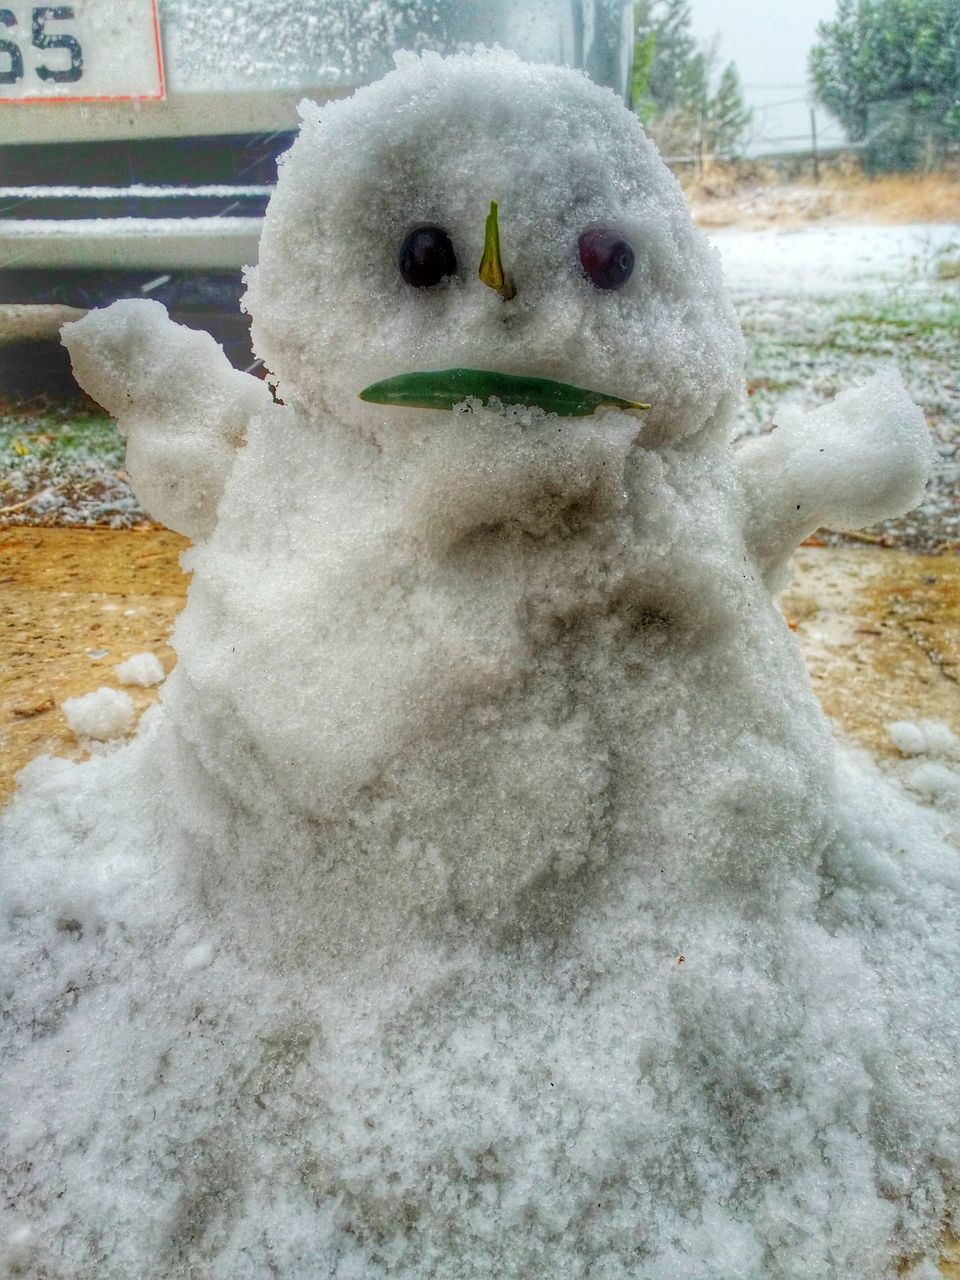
183,409
863,457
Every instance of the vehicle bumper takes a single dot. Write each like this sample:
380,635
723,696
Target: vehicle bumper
168,244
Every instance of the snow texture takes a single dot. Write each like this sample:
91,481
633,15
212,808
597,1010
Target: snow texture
485,896
272,45
936,780
328,49
144,669
106,713
840,258
925,737
864,456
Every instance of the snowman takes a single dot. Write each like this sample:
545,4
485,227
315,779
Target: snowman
486,897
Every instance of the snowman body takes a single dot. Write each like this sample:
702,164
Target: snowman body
485,896
542,664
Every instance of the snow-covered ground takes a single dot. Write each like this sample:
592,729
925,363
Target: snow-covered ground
836,259
824,306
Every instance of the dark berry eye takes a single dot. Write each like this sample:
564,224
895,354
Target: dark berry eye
606,258
426,256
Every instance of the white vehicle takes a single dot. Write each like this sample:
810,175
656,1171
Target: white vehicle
138,138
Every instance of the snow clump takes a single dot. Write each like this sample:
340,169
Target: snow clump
924,737
144,669
106,713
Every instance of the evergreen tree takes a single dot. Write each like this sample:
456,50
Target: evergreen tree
727,117
641,99
889,70
664,27
672,85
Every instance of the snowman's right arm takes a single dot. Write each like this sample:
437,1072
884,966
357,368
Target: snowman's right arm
863,457
182,407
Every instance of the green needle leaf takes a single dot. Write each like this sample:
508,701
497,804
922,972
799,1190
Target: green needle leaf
443,388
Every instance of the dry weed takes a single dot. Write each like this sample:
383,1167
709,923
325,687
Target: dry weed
754,195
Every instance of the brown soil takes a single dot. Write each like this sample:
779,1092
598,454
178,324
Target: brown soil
880,632
950,1262
75,603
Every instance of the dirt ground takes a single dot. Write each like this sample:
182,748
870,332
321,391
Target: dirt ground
76,603
880,632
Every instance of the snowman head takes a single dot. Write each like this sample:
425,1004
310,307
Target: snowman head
379,256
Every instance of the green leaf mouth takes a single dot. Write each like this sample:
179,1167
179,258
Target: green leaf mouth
443,388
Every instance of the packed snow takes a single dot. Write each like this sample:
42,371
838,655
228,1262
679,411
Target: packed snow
486,895
937,776
144,669
103,714
936,780
924,737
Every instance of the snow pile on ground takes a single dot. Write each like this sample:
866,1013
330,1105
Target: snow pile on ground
144,669
925,737
103,714
937,778
485,896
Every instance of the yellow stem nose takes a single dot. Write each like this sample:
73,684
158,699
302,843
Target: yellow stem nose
491,266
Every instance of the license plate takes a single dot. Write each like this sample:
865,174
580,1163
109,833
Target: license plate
87,51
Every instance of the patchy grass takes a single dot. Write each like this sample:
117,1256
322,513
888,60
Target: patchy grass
804,350
65,433
63,464
809,348
909,315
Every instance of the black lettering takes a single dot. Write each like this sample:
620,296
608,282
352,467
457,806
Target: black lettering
61,13
14,72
